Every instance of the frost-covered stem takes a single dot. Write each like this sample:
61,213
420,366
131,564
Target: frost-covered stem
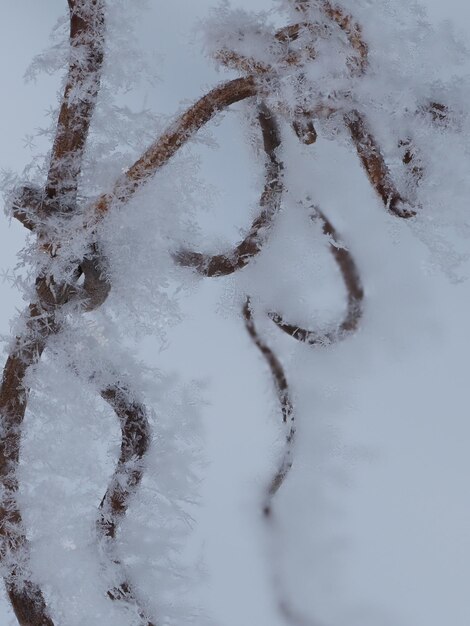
177,135
229,262
353,32
375,166
354,290
87,25
135,441
25,596
41,323
237,61
31,206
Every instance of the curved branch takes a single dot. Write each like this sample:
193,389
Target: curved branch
355,296
135,441
25,596
177,135
302,120
228,263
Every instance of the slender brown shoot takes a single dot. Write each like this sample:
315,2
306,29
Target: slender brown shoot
246,250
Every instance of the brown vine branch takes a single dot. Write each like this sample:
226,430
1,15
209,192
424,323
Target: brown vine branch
349,26
185,126
375,166
237,61
354,290
87,26
365,143
135,441
224,264
25,596
86,42
353,31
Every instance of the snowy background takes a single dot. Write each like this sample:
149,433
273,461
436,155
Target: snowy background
374,520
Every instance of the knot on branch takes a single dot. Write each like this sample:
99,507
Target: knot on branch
96,285
27,206
31,206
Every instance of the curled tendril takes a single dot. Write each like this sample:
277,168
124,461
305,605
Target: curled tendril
285,403
354,290
225,264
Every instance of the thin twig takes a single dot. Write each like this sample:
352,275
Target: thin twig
179,133
354,291
236,259
285,403
247,65
87,25
135,441
353,32
286,461
26,597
